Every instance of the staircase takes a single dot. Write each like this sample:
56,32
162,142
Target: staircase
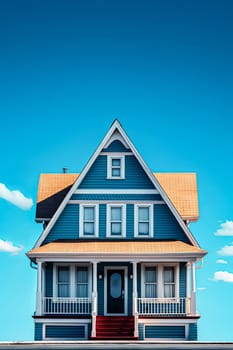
114,328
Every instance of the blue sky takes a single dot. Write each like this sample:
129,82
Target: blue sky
67,70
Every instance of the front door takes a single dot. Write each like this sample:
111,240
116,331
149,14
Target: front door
115,291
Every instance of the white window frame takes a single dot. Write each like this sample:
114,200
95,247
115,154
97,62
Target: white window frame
151,219
81,220
122,166
73,281
160,279
108,228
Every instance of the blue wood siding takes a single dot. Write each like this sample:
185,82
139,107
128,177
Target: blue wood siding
171,332
193,335
65,331
38,331
182,280
166,225
116,146
49,280
66,227
135,177
118,197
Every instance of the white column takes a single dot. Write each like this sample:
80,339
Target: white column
193,292
39,289
135,294
188,288
94,298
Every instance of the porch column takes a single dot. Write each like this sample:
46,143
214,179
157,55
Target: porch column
94,298
193,292
188,288
39,289
135,294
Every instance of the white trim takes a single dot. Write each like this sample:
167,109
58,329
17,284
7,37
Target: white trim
111,157
151,219
160,282
116,126
166,323
62,320
72,277
112,153
123,220
62,323
114,191
81,219
100,201
116,136
125,269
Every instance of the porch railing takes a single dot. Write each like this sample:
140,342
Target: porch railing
72,306
163,306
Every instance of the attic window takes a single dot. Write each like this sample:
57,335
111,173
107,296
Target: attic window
116,167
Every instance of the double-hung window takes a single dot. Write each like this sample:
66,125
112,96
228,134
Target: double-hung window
116,220
82,282
88,220
150,282
63,281
143,220
169,282
116,167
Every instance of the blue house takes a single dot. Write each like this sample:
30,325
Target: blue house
116,258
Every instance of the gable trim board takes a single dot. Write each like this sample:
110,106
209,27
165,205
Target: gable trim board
116,126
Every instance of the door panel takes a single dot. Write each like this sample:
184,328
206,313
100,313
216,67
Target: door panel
115,291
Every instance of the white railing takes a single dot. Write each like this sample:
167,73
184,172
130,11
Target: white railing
163,306
72,306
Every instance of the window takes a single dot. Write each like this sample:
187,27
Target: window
72,281
143,220
169,282
116,167
150,282
116,216
89,220
63,281
82,282
160,281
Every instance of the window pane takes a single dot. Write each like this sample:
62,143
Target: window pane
150,275
169,275
82,290
82,275
89,229
169,290
116,214
143,229
143,214
116,172
151,290
116,228
63,274
116,162
115,285
63,290
89,214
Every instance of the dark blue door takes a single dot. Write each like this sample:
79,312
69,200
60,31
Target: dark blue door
115,292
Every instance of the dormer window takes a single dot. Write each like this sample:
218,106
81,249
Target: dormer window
116,167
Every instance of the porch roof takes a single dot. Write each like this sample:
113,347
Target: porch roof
117,249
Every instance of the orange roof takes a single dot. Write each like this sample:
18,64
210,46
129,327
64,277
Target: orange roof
49,184
115,248
181,188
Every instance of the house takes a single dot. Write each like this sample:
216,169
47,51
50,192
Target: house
116,258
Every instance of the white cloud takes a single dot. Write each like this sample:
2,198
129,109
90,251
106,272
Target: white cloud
221,261
223,276
9,247
227,250
226,229
201,288
15,197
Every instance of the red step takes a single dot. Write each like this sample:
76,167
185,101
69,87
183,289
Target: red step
114,327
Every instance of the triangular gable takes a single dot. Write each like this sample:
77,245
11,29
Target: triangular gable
116,128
